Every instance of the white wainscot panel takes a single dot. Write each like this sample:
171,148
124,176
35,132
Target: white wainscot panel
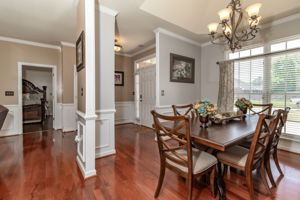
105,133
13,122
68,117
125,112
58,116
164,110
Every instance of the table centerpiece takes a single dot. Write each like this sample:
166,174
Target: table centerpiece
205,109
243,104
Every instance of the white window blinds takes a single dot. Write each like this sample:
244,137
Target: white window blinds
272,79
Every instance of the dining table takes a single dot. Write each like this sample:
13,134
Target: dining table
220,137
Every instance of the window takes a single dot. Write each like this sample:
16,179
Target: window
274,78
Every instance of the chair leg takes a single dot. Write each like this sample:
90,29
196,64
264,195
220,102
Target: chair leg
161,179
249,181
263,177
190,187
212,181
225,169
277,162
269,171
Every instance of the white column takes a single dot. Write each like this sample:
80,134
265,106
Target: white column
105,88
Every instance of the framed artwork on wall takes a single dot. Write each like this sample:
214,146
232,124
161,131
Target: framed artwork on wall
80,51
119,78
182,69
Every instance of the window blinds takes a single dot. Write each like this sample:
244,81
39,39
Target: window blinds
273,78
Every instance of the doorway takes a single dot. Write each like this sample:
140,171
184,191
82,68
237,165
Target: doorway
37,96
145,89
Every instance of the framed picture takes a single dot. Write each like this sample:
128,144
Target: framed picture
119,78
182,69
80,62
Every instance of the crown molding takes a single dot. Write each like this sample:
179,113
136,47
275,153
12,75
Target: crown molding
143,50
175,35
107,10
68,44
14,40
206,44
123,54
281,21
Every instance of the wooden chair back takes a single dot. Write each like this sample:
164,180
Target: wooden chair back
168,148
3,114
261,140
274,138
265,109
184,110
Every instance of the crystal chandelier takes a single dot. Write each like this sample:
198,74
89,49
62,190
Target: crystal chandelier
234,33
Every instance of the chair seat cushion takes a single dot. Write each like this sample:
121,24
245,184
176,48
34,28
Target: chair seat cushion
236,155
201,160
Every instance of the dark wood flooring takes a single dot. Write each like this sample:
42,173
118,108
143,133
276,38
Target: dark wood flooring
34,127
41,165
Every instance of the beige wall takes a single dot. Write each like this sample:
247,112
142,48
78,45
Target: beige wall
124,64
10,55
68,62
81,74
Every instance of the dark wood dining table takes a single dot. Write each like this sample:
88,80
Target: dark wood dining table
220,137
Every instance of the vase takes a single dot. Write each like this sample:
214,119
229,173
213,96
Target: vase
204,121
244,110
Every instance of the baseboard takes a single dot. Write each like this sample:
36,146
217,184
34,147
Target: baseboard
105,154
85,174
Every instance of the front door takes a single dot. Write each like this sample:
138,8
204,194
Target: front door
146,94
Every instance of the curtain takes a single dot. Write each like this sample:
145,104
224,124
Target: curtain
226,86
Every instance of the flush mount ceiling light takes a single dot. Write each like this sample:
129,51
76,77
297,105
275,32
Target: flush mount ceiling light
234,33
117,46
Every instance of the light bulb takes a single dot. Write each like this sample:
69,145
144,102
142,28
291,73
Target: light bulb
224,14
212,27
227,30
253,9
254,22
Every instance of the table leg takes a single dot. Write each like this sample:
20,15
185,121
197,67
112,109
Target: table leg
220,182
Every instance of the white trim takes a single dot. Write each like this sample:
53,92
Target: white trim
85,174
85,116
206,44
19,41
11,124
157,85
68,117
107,10
105,111
143,59
123,54
175,35
143,50
68,44
54,88
281,21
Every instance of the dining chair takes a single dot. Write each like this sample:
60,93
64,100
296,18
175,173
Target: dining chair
178,155
265,109
184,110
251,159
274,140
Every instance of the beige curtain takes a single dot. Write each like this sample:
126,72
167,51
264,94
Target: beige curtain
226,86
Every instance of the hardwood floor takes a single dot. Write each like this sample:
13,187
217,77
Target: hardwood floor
42,165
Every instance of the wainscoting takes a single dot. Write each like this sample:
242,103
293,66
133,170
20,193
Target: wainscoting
68,117
12,125
164,110
58,116
105,133
125,112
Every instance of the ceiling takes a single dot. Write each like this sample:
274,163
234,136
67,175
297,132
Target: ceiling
46,21
52,21
138,18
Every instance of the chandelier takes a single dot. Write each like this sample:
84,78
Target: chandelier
117,46
234,32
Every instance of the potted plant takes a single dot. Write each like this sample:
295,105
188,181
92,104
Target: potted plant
243,104
205,109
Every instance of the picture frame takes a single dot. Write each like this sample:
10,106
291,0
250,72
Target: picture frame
182,69
80,52
119,78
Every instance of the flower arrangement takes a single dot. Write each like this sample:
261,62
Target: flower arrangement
243,103
205,108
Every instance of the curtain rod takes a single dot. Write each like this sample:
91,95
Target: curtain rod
261,55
